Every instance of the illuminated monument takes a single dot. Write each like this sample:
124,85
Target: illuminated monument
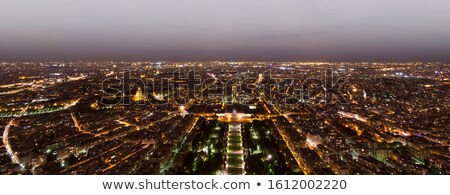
139,96
234,116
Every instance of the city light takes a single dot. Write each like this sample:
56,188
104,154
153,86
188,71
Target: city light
380,126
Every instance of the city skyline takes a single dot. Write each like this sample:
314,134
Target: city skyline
202,87
224,118
224,96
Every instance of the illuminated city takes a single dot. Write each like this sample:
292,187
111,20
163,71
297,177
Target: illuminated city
224,97
224,118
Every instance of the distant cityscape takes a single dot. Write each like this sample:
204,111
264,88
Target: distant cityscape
224,118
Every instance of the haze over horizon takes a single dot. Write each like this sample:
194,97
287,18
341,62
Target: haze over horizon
202,30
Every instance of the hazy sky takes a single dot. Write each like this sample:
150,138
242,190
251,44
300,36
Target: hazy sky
333,30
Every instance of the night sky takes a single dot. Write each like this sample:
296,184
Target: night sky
261,30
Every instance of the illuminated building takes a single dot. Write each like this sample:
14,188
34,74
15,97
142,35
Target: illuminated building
139,96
